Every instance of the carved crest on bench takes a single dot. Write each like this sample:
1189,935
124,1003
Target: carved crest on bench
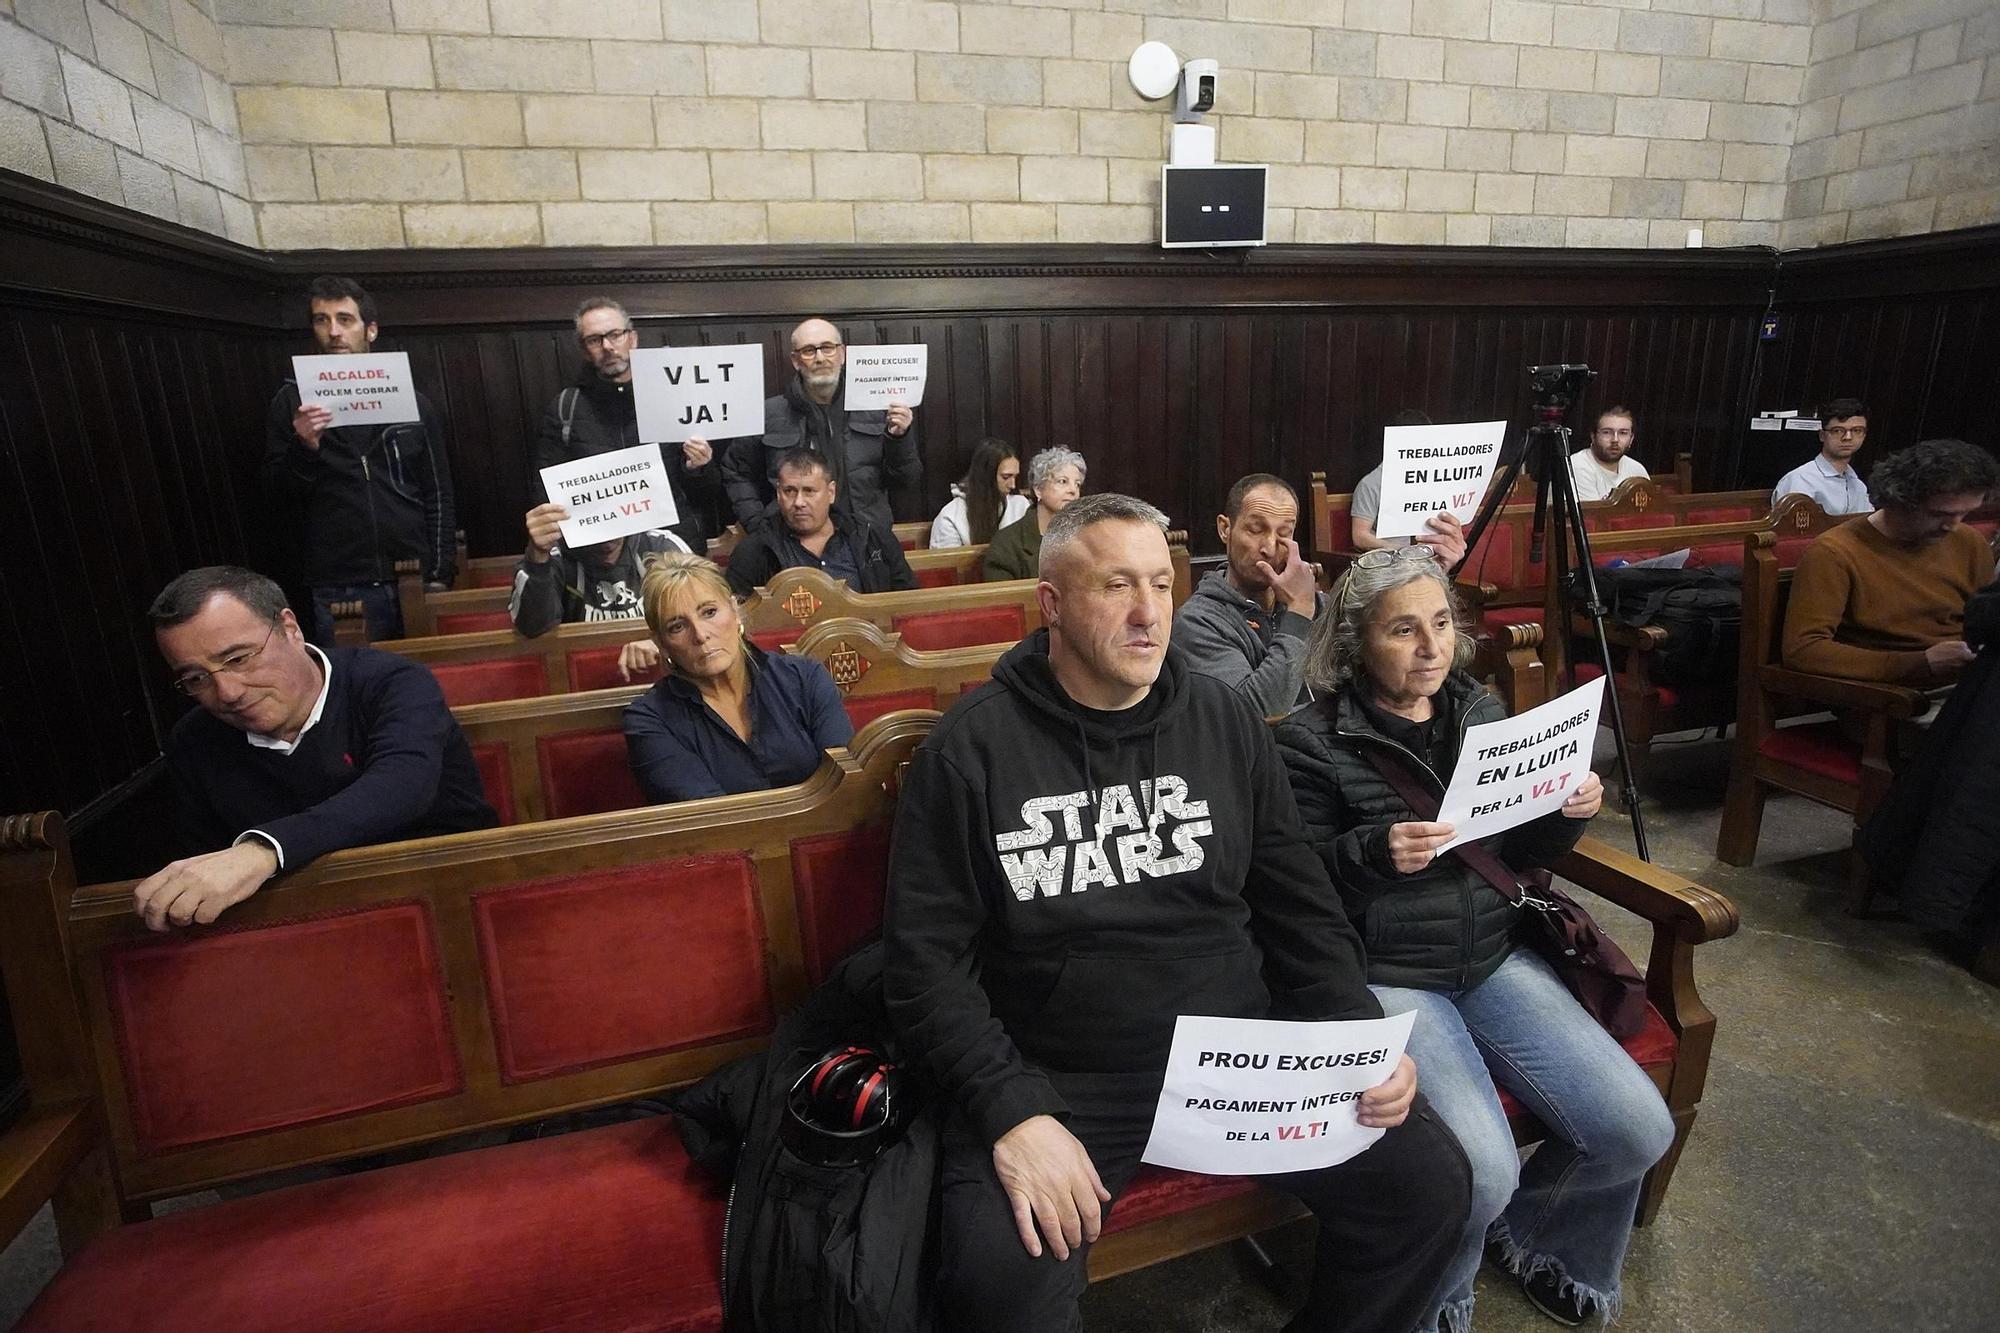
1801,519
1640,499
801,605
847,665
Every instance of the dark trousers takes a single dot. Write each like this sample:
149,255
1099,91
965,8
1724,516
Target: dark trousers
1389,1222
379,605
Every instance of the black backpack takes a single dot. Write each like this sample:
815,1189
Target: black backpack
1700,609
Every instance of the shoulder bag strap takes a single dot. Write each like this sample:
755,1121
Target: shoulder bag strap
1425,805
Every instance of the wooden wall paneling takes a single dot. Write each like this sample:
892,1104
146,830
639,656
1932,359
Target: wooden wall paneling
113,552
1959,388
76,669
30,614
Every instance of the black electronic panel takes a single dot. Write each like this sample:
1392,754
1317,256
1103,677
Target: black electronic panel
1219,205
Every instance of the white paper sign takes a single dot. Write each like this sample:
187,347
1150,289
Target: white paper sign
1250,1097
708,393
367,389
612,495
880,376
1520,768
1435,469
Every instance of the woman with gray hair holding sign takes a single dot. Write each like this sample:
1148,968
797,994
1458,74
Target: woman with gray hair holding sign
1374,749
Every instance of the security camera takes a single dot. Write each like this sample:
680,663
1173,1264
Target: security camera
1196,96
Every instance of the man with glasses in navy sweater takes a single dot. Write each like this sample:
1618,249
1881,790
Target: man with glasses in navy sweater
294,752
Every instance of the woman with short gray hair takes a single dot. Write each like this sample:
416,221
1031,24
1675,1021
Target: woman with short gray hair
1055,477
1389,658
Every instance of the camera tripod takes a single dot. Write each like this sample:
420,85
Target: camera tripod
1545,453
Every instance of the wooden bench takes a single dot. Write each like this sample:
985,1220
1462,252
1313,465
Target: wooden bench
1651,708
1847,765
484,607
402,995
1502,589
1332,514
497,571
555,756
500,664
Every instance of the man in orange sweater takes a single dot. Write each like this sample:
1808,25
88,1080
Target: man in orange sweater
1882,597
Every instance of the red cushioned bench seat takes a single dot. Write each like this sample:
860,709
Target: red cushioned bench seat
412,1242
1818,747
609,1229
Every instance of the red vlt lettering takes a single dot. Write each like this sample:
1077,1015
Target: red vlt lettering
1311,1131
1554,784
635,507
1460,501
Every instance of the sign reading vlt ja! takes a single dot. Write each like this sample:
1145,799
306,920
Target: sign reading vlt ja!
367,389
698,393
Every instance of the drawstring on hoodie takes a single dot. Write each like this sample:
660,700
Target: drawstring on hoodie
1147,804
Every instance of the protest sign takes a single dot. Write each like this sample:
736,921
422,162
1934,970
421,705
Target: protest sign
1434,469
1520,768
707,393
371,388
1252,1096
612,495
880,376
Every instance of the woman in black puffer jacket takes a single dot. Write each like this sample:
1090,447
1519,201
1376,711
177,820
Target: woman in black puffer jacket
1386,658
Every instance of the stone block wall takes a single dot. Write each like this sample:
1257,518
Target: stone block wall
1900,128
126,101
1511,122
555,122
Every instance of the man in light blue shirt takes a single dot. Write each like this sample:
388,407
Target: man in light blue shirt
1828,477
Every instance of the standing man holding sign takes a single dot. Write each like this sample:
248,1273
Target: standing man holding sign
1444,534
596,415
1100,842
867,453
366,496
1367,760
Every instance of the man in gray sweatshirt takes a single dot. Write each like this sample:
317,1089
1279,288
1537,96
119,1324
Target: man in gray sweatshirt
1247,625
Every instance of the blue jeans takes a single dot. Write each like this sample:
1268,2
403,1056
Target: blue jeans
1569,1209
379,604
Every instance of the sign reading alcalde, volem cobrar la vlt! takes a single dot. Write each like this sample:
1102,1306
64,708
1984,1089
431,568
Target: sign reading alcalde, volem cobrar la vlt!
366,389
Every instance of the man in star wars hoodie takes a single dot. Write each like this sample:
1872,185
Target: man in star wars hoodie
362,497
1099,841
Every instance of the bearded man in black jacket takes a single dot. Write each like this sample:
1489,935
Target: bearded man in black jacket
868,454
1100,841
598,414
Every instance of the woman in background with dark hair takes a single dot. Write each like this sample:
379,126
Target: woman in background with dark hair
983,500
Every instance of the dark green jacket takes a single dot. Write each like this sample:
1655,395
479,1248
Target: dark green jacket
1015,551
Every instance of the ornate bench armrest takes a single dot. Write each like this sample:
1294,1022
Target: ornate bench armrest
1694,914
1897,701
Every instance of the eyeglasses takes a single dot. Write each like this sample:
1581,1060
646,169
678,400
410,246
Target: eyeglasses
195,683
1381,557
593,342
817,351
1847,432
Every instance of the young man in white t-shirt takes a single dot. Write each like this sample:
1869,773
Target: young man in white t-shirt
1608,461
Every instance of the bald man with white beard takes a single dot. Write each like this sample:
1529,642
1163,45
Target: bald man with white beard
867,453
